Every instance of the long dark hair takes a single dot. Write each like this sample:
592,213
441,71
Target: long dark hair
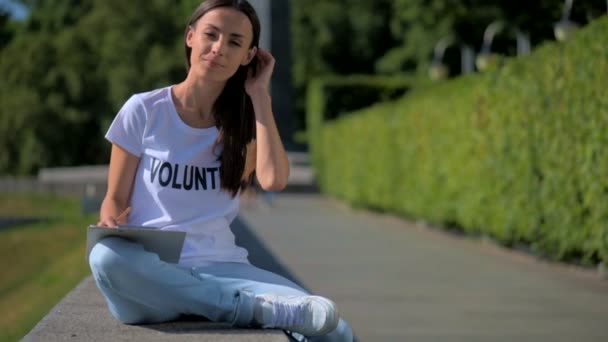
233,110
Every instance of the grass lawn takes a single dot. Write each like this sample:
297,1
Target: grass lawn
41,261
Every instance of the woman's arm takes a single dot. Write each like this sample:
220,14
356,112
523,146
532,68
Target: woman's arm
121,175
271,160
271,164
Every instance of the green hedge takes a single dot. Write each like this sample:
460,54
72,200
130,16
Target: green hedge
519,153
330,97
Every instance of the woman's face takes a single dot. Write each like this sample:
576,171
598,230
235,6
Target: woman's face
220,42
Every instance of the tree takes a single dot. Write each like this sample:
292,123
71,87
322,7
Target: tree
68,71
7,27
336,37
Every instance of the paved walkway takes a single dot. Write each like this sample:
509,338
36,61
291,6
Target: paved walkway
398,281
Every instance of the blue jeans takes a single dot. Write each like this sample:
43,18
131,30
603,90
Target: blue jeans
141,288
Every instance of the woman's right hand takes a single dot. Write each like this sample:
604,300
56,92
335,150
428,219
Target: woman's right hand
114,221
107,222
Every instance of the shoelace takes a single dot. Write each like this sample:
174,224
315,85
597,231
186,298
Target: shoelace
287,314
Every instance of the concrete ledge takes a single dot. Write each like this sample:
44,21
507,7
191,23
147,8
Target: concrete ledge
83,316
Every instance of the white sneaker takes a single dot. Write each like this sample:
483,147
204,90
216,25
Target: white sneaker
307,315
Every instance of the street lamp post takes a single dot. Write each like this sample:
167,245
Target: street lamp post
523,42
485,58
564,28
439,70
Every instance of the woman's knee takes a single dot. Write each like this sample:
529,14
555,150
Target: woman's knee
105,257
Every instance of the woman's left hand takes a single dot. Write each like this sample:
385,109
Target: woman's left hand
261,80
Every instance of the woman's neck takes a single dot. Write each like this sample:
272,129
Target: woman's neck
195,97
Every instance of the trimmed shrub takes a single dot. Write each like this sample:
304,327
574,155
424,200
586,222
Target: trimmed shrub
330,97
517,153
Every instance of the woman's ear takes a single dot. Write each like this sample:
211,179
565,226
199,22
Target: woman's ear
189,36
250,54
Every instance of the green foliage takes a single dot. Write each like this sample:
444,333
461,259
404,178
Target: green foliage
517,153
388,36
6,33
70,67
42,261
336,37
331,96
418,25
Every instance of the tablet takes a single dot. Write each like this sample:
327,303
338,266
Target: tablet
166,243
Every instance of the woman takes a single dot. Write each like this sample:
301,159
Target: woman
180,157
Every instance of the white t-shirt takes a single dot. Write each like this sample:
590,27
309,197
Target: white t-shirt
177,184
